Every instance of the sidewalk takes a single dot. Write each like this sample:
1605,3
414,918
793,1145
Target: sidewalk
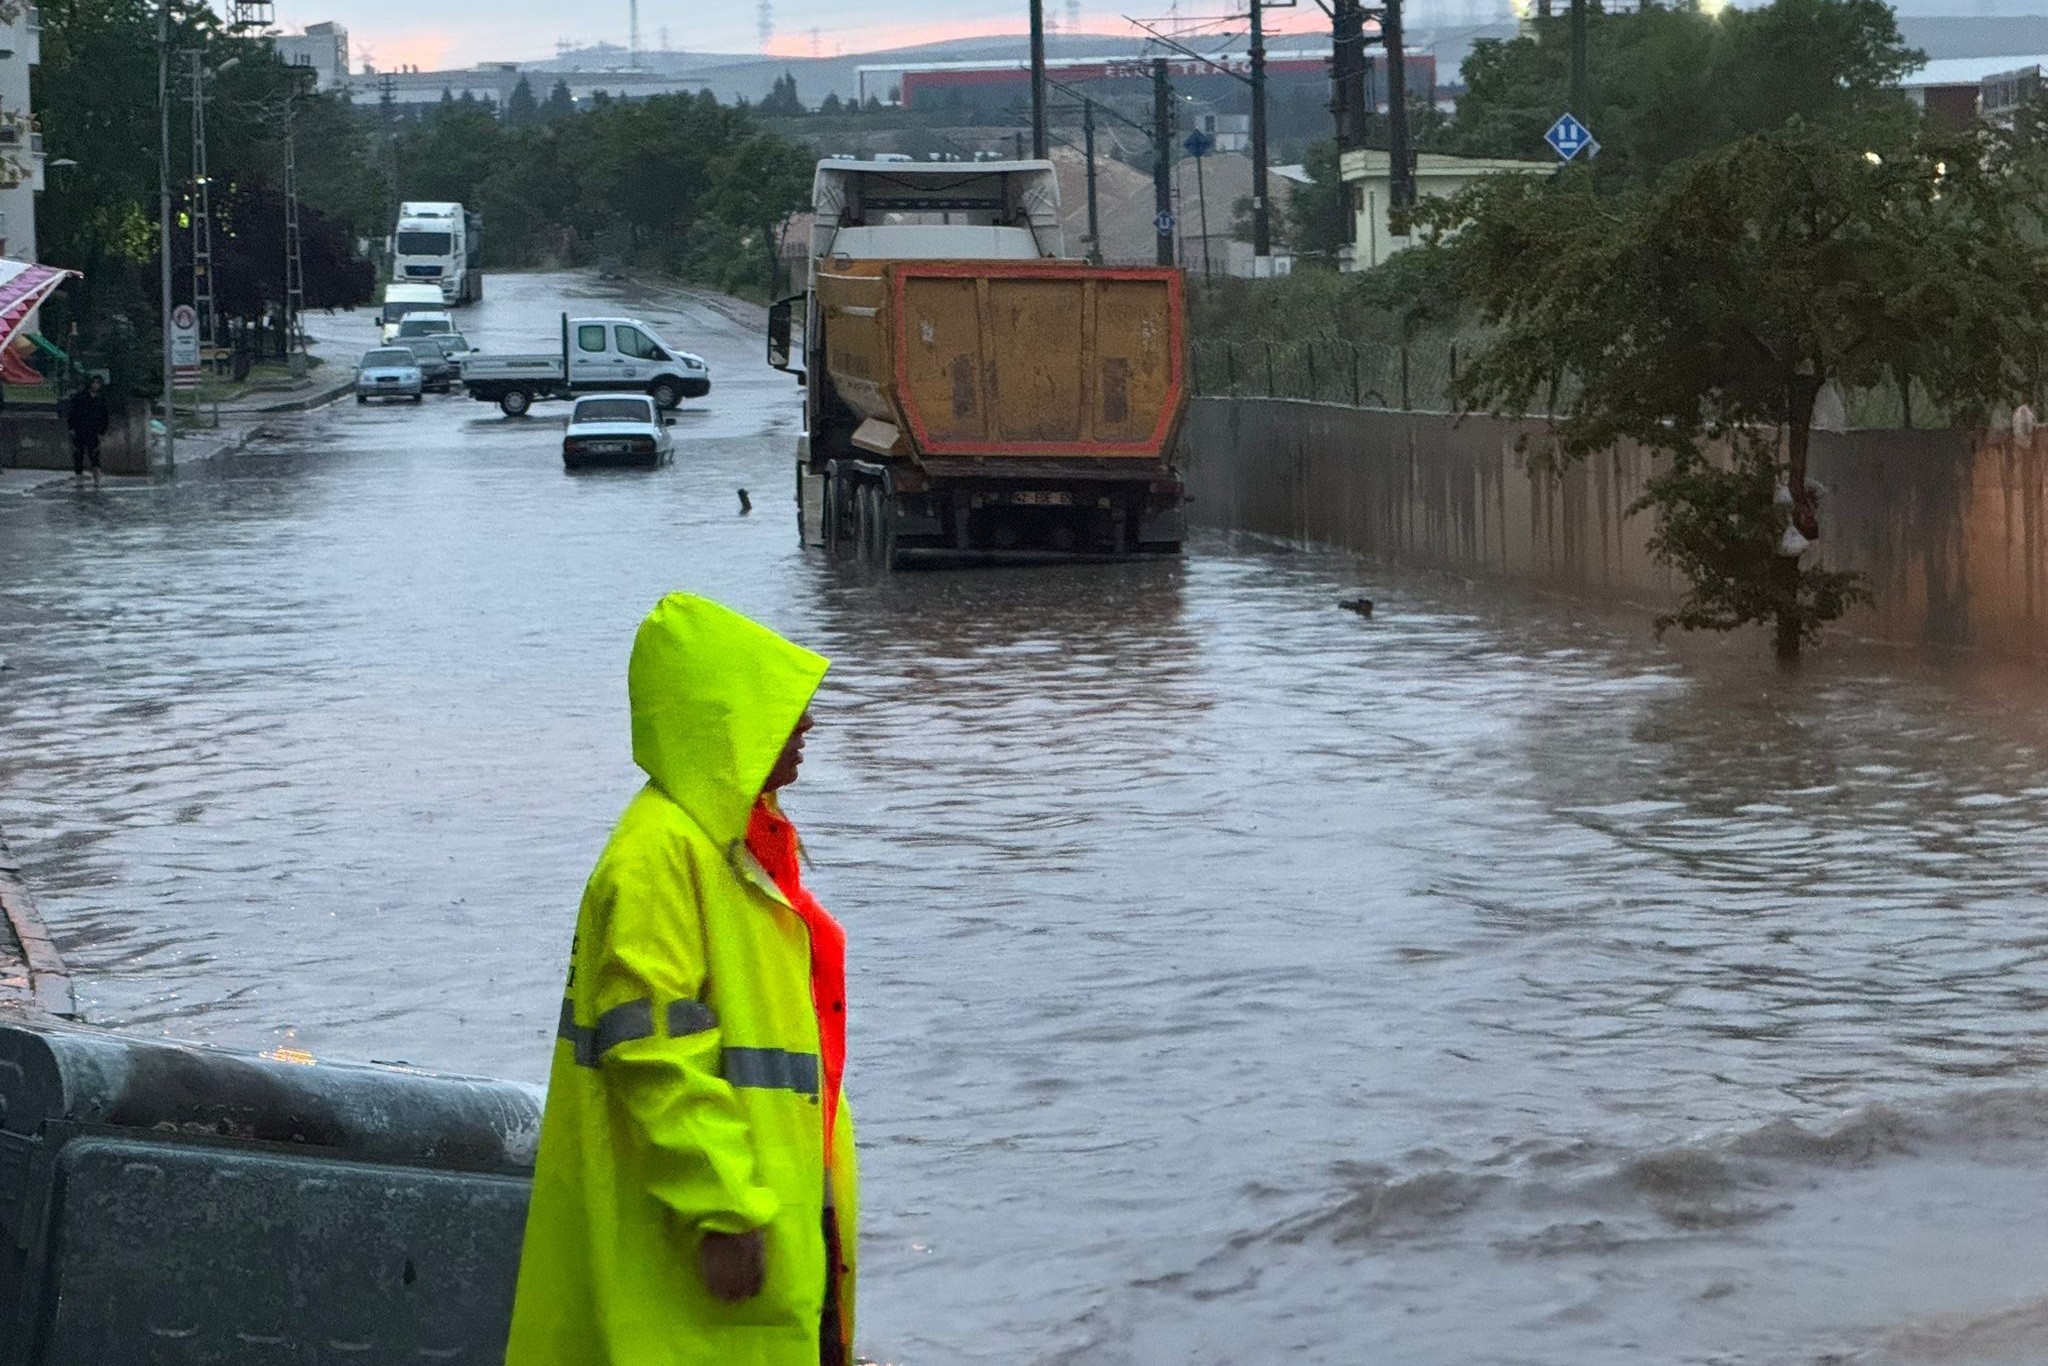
33,979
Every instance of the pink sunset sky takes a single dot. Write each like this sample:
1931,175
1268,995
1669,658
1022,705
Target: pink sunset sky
456,33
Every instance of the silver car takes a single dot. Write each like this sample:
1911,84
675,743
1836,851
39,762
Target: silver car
388,372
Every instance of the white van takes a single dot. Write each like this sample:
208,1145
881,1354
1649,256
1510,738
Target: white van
400,300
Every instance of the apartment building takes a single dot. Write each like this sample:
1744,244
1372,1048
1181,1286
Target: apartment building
21,138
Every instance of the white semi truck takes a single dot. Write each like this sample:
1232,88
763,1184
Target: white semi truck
439,243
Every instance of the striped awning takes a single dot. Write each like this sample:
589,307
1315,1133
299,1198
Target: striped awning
23,285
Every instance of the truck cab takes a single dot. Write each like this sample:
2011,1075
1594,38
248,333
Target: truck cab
437,243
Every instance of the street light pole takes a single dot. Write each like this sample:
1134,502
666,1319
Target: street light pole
163,108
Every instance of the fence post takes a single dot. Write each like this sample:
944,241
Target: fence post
1354,374
1230,365
1404,377
1454,362
1269,370
1314,390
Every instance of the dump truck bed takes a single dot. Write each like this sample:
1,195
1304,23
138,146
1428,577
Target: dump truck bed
1032,361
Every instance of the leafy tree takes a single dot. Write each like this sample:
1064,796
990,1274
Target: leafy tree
521,108
755,187
560,103
1313,223
96,98
1702,318
1668,84
831,105
782,101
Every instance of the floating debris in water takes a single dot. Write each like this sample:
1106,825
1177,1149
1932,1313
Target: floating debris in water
1362,606
746,503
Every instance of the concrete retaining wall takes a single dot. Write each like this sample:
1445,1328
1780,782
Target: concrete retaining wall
1951,533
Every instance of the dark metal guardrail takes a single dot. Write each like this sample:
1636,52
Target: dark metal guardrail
173,1203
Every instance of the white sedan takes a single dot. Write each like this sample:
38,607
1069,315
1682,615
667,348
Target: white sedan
388,372
617,431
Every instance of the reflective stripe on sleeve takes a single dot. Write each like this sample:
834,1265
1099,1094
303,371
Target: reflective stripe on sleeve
690,1017
621,1024
772,1069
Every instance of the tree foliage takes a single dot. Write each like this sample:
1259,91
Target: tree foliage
1665,85
678,180
1703,317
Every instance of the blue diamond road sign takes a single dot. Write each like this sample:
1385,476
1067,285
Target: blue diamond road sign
1199,144
1568,137
1164,222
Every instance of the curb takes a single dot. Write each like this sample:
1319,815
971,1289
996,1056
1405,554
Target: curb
49,981
319,400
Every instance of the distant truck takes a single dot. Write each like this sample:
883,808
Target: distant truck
401,299
439,244
597,355
969,392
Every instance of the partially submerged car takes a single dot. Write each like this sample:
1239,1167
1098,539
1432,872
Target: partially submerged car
617,431
388,372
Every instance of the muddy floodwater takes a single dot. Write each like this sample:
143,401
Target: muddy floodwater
1234,980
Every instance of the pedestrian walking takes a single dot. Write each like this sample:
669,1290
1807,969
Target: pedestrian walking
694,1196
86,415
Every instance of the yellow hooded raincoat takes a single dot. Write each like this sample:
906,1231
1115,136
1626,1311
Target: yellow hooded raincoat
684,1093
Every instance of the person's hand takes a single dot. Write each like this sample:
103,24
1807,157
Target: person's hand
734,1265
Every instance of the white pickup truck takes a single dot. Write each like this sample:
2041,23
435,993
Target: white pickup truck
598,355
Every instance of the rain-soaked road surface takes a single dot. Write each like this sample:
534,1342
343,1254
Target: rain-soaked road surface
1235,980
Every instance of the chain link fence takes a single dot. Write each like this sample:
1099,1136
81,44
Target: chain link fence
1415,377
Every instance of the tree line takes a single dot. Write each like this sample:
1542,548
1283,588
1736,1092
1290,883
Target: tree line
677,182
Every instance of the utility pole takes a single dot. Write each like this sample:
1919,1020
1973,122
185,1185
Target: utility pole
1162,159
1400,160
294,262
1094,220
1262,228
1579,60
163,109
205,297
1348,65
1038,142
388,99
202,230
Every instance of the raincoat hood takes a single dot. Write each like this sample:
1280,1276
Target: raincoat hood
715,698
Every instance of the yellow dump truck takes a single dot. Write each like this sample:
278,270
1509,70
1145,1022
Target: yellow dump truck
969,393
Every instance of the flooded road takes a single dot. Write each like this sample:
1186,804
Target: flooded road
1234,980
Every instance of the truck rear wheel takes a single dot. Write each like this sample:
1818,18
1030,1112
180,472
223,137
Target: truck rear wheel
832,512
877,540
514,402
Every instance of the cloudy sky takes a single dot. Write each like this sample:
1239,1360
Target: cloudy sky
462,32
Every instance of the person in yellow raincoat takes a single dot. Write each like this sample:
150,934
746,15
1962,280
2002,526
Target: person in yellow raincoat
694,1197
